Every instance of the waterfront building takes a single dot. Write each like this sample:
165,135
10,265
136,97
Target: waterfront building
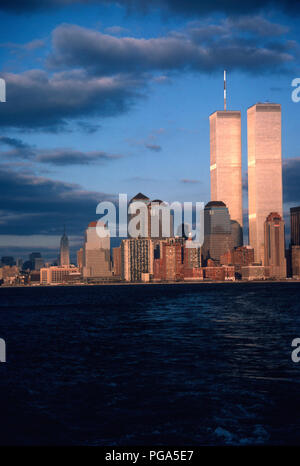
295,226
295,259
55,275
117,262
96,254
217,230
255,272
243,255
264,170
80,259
275,246
137,257
169,266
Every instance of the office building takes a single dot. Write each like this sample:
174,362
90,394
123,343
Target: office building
295,260
264,170
142,225
64,253
117,261
96,253
226,162
295,226
275,246
136,258
80,259
217,230
55,275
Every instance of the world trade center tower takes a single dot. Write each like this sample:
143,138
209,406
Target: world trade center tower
226,162
264,170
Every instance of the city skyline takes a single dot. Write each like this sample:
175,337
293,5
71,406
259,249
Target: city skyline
149,132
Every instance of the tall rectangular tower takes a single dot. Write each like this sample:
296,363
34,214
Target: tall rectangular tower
295,226
226,161
264,170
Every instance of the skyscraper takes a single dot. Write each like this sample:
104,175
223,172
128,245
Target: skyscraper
264,170
274,246
295,241
226,162
137,257
295,226
64,254
96,254
217,230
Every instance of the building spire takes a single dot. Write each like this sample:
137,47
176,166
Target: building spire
225,90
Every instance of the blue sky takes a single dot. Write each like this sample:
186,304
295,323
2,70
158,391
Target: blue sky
102,100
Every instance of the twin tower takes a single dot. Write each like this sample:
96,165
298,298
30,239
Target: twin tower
264,166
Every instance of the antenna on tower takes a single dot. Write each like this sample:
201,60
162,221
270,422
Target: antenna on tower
225,90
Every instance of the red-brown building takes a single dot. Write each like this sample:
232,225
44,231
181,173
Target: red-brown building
117,261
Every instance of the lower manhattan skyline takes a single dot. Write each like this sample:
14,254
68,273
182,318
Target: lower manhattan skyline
150,227
116,136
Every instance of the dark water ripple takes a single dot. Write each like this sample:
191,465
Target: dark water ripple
154,364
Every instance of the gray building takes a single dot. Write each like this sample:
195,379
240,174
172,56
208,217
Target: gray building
64,253
218,237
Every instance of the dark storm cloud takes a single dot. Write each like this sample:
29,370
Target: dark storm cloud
72,157
290,179
57,156
98,75
177,7
197,48
37,205
37,100
16,148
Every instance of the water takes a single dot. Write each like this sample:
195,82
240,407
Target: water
199,364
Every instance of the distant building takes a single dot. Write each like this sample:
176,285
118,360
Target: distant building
255,272
295,260
9,274
80,259
142,224
294,252
96,254
169,266
55,275
243,255
38,263
117,262
64,252
35,259
219,273
264,170
7,260
275,246
295,226
158,212
217,230
136,258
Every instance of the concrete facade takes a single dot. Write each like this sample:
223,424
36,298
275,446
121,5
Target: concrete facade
226,161
275,246
264,170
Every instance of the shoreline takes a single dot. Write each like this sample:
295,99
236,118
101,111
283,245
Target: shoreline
77,285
